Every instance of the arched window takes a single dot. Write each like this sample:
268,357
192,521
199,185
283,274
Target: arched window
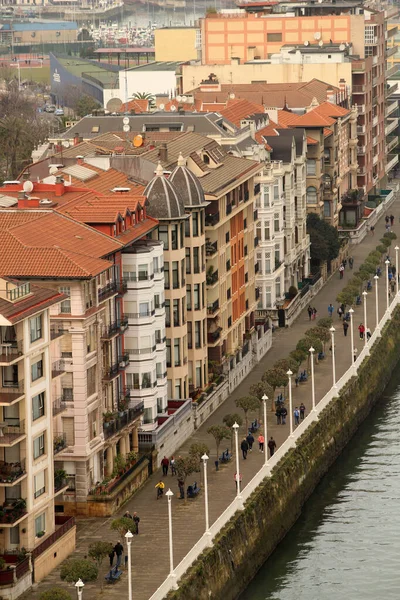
311,195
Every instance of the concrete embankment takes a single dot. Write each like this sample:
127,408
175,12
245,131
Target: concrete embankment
224,570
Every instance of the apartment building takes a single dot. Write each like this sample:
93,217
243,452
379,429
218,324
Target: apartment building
30,484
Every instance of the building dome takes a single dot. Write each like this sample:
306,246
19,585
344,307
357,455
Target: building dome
187,185
164,202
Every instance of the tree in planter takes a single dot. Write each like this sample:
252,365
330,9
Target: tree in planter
276,379
186,466
293,291
98,551
78,568
258,390
55,594
305,345
198,450
298,356
119,465
320,333
248,403
285,364
326,322
325,243
219,433
229,420
122,525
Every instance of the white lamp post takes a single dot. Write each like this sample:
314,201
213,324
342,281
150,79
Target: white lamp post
289,374
351,311
365,317
204,458
376,277
235,428
172,574
265,399
312,350
397,269
79,588
128,537
387,263
332,330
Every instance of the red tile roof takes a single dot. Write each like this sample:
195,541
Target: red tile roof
240,108
39,298
327,109
270,130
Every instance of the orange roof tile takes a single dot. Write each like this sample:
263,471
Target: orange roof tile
240,108
327,132
311,141
138,105
314,119
327,109
287,118
270,129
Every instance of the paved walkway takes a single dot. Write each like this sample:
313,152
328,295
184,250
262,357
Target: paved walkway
150,557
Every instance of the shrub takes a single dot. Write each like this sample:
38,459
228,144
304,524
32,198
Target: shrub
326,322
55,594
293,291
78,568
381,249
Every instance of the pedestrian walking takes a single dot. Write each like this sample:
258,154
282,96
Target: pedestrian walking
368,333
372,230
160,489
392,285
172,465
283,415
391,220
310,312
387,219
261,441
330,310
345,328
250,440
111,557
128,515
302,411
340,312
341,271
351,262
244,446
387,227
136,520
181,486
355,352
165,465
345,262
271,446
314,313
361,331
118,549
296,414
236,478
278,415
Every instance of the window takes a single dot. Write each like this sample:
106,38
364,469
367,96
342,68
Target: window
65,306
196,260
168,345
195,224
174,236
274,37
267,234
177,353
144,310
266,195
327,155
327,208
196,296
176,313
311,195
155,264
175,274
168,313
189,297
187,228
197,334
40,523
163,235
166,275
278,289
276,192
37,370
38,406
91,381
39,484
198,373
189,335
311,166
158,336
38,446
276,222
188,261
91,338
35,328
143,272
157,303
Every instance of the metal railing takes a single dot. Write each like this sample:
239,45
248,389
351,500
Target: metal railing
148,439
10,350
107,291
213,307
59,442
56,332
10,472
212,278
59,406
57,368
65,524
212,220
112,427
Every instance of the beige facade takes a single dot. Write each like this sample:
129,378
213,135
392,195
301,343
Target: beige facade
177,43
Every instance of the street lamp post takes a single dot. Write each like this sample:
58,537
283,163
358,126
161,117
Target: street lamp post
235,428
376,277
289,374
128,537
79,588
397,269
387,263
332,330
204,458
365,294
351,311
265,399
172,574
312,350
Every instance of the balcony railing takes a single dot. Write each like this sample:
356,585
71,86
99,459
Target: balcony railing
59,406
63,525
122,287
211,248
58,368
146,385
212,278
123,361
9,351
13,512
11,392
142,276
112,427
228,209
214,336
212,308
107,291
10,473
10,576
358,89
141,315
11,434
60,483
59,442
56,332
139,351
212,220
111,373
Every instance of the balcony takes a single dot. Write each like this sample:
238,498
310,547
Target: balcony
161,375
141,351
11,473
361,109
213,308
58,368
12,392
59,442
360,150
59,406
13,512
391,51
375,140
391,127
375,160
111,373
391,89
358,89
122,287
10,352
213,337
211,248
391,142
56,332
228,209
392,160
107,291
11,434
360,129
145,385
63,524
123,361
212,220
212,277
60,483
142,276
129,416
375,121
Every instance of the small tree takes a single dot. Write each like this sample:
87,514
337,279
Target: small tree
185,466
258,390
299,355
78,568
320,333
197,450
229,420
305,345
98,551
122,525
285,364
55,594
219,433
247,403
326,322
86,105
276,378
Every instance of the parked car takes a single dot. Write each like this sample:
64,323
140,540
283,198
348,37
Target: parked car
50,108
59,112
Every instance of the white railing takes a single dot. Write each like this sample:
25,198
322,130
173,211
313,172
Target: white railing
206,540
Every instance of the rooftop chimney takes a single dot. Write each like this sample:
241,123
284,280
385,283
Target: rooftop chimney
59,186
25,202
163,152
76,139
330,96
79,160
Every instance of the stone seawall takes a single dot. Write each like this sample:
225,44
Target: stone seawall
224,571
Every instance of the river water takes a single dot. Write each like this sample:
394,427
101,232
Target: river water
346,543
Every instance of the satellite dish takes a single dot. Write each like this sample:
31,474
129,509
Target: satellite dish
66,144
162,106
179,98
53,170
138,141
342,47
125,120
126,128
232,96
28,187
173,108
184,98
114,105
317,35
320,43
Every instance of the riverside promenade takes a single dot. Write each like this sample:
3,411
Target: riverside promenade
150,558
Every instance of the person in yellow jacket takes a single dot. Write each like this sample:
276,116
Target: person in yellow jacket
160,489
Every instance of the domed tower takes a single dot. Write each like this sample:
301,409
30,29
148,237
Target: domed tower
166,204
191,193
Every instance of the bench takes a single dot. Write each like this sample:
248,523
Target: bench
113,575
192,490
225,457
